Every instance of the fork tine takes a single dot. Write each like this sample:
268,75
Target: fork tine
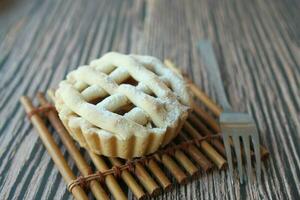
237,149
255,140
246,143
228,152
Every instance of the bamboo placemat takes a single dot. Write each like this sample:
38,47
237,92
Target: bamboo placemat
198,148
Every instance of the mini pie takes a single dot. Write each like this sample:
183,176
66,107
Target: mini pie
123,105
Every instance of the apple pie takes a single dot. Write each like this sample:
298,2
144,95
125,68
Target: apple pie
123,105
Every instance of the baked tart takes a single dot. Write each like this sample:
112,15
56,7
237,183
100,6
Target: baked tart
123,105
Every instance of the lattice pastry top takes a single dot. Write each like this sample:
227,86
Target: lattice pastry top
123,105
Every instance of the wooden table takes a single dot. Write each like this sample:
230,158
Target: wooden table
257,45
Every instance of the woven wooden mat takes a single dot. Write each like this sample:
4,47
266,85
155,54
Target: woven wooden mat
198,148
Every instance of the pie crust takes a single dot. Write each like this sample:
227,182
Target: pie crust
123,105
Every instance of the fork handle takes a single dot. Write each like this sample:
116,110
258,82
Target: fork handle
214,75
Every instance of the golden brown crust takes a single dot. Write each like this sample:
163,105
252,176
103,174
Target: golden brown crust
90,100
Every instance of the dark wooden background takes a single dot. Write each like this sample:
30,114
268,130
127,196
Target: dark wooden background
257,44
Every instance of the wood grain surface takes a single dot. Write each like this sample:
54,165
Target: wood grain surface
257,46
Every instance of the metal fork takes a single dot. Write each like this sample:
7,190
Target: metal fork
236,125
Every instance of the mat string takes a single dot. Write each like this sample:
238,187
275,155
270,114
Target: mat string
41,109
116,171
